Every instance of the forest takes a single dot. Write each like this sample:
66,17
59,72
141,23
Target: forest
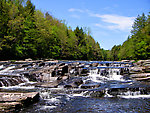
137,45
29,33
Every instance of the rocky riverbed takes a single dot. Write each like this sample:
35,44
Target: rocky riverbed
23,83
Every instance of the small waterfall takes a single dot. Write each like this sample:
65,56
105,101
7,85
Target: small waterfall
1,84
94,76
12,81
130,93
1,67
25,79
8,82
7,69
133,94
5,82
16,80
103,75
107,94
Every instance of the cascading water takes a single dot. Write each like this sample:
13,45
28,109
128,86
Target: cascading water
104,89
8,76
102,75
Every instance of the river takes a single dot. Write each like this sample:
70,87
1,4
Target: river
99,93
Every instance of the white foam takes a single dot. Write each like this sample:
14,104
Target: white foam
82,94
53,100
7,69
22,84
134,96
77,95
96,77
107,94
18,87
114,74
116,77
1,66
48,107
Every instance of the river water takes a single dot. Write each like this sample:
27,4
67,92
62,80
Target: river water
115,93
60,100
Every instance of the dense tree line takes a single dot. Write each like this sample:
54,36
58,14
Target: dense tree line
29,33
137,46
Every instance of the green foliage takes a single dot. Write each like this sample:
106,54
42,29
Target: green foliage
26,32
137,46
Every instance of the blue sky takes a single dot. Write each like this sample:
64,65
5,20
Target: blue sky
109,21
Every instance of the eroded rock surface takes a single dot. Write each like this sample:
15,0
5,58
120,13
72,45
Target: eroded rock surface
11,102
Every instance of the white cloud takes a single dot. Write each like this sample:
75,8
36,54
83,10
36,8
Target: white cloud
116,22
109,21
76,10
98,25
75,16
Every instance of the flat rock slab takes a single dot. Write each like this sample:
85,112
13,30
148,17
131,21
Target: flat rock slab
48,84
143,79
16,97
10,102
5,105
141,76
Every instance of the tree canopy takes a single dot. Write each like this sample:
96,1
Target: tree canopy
137,46
29,33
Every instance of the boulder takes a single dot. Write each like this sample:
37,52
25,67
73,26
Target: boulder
10,102
95,93
72,82
136,70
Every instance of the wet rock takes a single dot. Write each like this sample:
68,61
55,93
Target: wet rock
17,97
99,93
70,85
147,69
61,78
141,77
72,82
126,61
53,84
11,81
130,90
143,63
14,101
29,59
30,76
78,81
84,72
134,70
10,107
90,85
94,64
64,70
41,64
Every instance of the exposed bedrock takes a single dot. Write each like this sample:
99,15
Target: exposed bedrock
12,102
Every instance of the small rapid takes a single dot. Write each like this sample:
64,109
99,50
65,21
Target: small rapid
84,88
